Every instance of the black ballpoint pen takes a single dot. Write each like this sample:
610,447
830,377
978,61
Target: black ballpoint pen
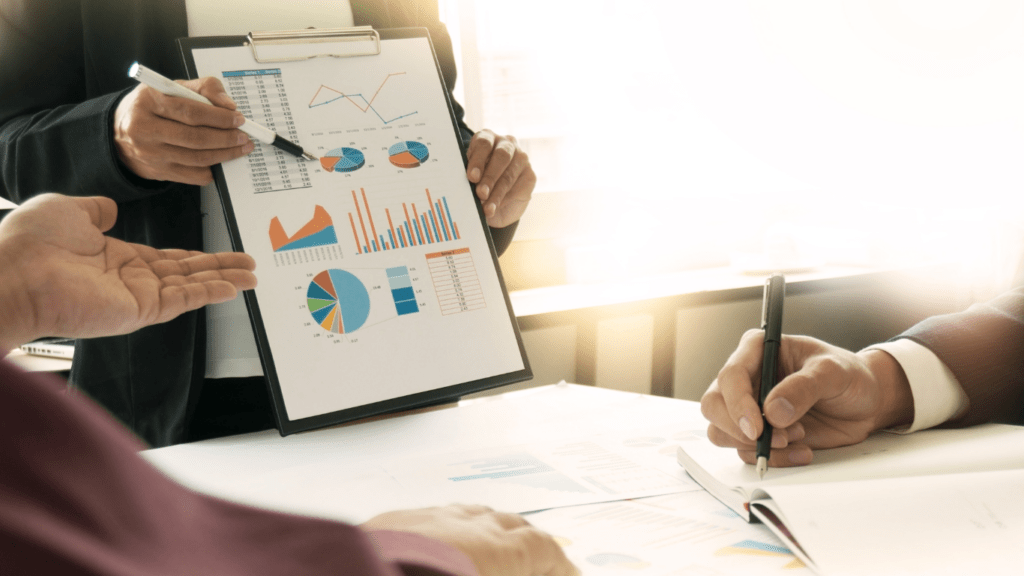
771,323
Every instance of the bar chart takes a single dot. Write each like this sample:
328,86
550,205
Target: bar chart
405,229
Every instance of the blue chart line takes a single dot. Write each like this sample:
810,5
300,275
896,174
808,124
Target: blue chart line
327,98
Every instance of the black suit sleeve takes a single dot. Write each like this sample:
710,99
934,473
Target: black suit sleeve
54,136
984,348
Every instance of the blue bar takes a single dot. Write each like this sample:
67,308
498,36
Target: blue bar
408,234
434,224
374,244
440,214
419,233
401,237
382,242
426,229
401,294
449,212
407,307
392,237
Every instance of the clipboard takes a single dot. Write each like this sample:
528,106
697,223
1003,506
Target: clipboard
379,286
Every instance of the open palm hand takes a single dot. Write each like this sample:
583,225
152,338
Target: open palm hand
63,277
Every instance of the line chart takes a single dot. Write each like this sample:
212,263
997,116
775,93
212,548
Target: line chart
326,95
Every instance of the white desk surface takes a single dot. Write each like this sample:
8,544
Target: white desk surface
331,473
277,472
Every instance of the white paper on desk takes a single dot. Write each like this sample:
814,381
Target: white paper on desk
970,523
535,476
689,534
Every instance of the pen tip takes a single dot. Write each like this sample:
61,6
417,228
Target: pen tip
762,467
309,156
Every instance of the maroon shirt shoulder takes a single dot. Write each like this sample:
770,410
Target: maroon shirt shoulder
75,497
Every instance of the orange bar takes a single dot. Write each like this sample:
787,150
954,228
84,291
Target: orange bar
354,233
394,237
370,217
418,223
456,230
361,223
433,212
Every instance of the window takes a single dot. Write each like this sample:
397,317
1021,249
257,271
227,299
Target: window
863,131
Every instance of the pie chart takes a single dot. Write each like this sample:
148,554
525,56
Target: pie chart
408,154
343,159
338,301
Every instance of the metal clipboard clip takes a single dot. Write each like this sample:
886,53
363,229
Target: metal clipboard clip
291,45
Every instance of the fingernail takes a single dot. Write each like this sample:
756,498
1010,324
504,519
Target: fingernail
474,174
490,209
239,120
781,411
242,138
748,428
779,440
484,191
249,148
800,457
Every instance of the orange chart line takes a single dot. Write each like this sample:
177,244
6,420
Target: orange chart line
347,97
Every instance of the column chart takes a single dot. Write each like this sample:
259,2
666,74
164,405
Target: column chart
430,226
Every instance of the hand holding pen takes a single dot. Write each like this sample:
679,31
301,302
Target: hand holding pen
164,130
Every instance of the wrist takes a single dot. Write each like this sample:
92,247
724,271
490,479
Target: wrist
896,399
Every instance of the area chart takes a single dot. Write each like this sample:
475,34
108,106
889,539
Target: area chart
338,301
317,232
432,226
408,154
343,159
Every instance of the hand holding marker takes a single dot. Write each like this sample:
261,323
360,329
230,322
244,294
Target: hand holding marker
169,87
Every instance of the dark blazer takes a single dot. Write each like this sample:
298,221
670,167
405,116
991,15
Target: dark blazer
63,70
984,348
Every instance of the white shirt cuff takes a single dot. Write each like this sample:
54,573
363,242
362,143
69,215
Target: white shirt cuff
937,394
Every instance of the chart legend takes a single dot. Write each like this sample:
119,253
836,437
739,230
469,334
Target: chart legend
433,226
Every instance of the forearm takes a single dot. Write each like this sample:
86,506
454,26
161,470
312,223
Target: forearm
984,349
68,149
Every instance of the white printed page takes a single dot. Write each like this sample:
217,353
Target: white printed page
986,447
969,523
375,277
685,534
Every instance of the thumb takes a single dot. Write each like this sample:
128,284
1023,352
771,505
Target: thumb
102,211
